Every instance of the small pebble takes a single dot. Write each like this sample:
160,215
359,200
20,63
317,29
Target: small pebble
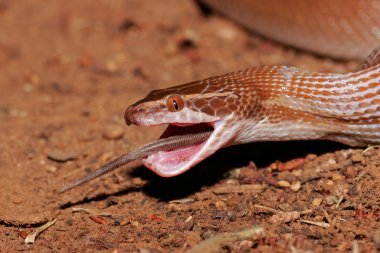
51,168
27,87
123,223
60,155
113,132
337,177
130,240
119,220
233,200
111,66
357,158
85,61
285,207
297,173
135,223
350,172
114,230
17,200
246,244
111,200
33,79
17,113
106,157
137,181
231,216
330,200
317,202
296,186
220,204
189,223
283,183
311,156
292,164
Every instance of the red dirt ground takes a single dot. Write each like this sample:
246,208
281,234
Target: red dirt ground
69,69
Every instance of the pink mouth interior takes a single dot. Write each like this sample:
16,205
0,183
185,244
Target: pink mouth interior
171,162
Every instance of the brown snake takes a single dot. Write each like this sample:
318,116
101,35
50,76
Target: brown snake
269,103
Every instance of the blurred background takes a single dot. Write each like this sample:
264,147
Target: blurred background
69,69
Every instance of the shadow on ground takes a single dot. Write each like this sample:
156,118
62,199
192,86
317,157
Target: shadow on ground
212,169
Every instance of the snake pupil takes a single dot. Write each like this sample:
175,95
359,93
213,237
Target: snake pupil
175,104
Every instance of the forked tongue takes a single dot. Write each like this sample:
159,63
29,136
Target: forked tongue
164,144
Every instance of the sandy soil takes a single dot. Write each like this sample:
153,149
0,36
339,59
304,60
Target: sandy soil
68,71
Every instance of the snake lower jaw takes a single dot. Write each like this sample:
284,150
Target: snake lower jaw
177,161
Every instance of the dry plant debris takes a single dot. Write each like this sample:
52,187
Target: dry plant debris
32,237
214,244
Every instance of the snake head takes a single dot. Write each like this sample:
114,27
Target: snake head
189,108
190,103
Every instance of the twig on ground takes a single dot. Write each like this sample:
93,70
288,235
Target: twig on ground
266,208
182,201
281,216
339,202
316,223
369,148
32,237
327,217
214,244
355,247
360,176
85,210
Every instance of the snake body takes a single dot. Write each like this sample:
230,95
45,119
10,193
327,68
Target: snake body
272,103
338,28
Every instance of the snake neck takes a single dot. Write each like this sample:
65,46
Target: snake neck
288,103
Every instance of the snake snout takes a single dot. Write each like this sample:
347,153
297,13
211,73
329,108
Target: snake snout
128,116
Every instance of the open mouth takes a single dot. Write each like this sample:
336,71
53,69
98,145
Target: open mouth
176,161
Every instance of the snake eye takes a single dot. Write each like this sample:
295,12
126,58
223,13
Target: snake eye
175,103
